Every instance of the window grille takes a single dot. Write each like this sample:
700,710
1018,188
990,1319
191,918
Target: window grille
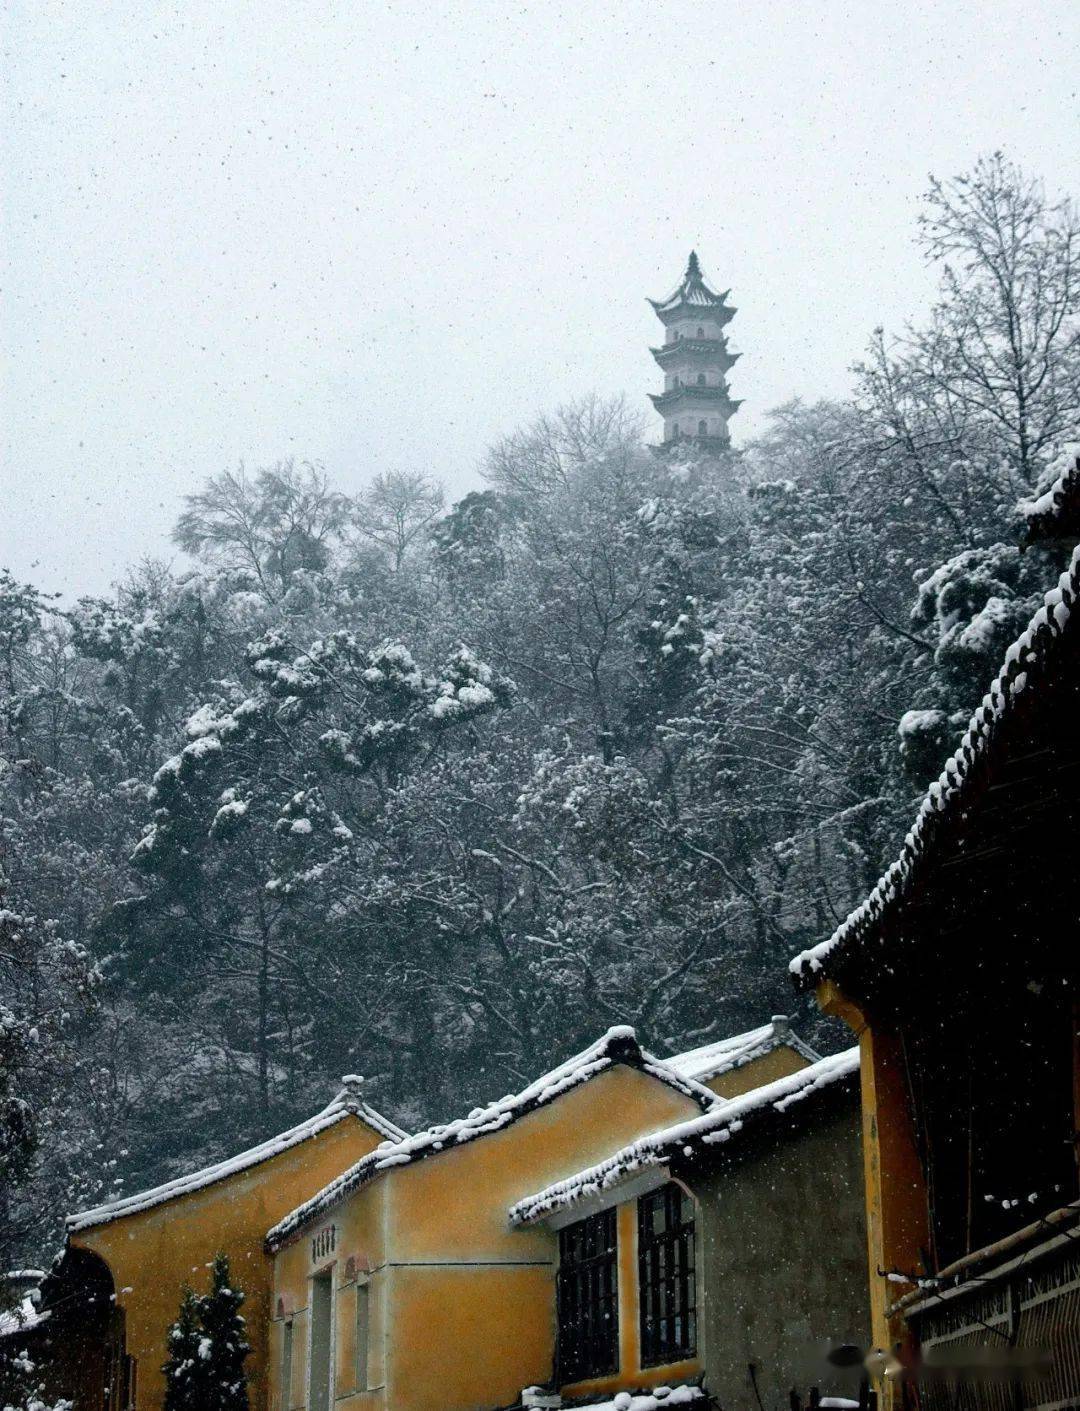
587,1296
666,1278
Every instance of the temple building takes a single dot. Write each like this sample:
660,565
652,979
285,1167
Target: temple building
625,1233
695,402
959,975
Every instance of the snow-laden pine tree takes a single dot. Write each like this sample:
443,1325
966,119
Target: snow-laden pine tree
207,1347
223,1345
185,1369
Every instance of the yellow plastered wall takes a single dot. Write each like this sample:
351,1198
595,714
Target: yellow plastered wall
896,1206
467,1304
154,1253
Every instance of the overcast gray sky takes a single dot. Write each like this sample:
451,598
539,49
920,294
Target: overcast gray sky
381,235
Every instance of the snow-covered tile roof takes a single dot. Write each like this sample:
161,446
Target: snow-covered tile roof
347,1103
692,289
1057,510
722,1056
22,1318
720,1124
618,1045
1026,662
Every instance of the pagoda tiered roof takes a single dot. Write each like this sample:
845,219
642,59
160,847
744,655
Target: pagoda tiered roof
693,394
694,292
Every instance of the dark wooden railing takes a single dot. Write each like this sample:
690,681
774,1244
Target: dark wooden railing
1005,1336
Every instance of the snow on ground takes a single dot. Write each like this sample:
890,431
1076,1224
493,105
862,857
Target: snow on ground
652,1400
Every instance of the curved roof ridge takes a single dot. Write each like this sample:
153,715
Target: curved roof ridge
1056,512
693,288
710,1060
618,1045
344,1104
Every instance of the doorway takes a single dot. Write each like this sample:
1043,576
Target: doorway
322,1338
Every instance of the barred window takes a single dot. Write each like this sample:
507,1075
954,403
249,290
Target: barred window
666,1276
587,1292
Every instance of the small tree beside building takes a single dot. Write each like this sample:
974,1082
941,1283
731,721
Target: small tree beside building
207,1349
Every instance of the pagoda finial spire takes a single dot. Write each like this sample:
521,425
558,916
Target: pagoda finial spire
692,266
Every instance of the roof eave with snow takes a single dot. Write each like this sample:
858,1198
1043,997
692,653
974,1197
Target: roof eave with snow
712,1130
618,1046
341,1107
948,798
713,1060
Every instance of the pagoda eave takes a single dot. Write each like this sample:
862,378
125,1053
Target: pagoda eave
697,347
710,350
668,315
702,397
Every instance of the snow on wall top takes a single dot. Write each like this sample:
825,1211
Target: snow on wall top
651,1400
711,1060
725,1119
949,795
618,1045
346,1103
22,1318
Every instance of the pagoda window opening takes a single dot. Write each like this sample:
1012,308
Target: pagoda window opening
701,379
701,333
675,431
666,1276
587,1298
702,428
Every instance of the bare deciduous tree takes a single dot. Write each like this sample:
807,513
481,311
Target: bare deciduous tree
395,510
997,369
283,518
543,457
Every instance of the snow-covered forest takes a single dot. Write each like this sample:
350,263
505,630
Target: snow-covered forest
435,792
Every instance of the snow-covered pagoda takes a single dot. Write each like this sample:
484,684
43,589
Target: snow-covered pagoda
695,360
